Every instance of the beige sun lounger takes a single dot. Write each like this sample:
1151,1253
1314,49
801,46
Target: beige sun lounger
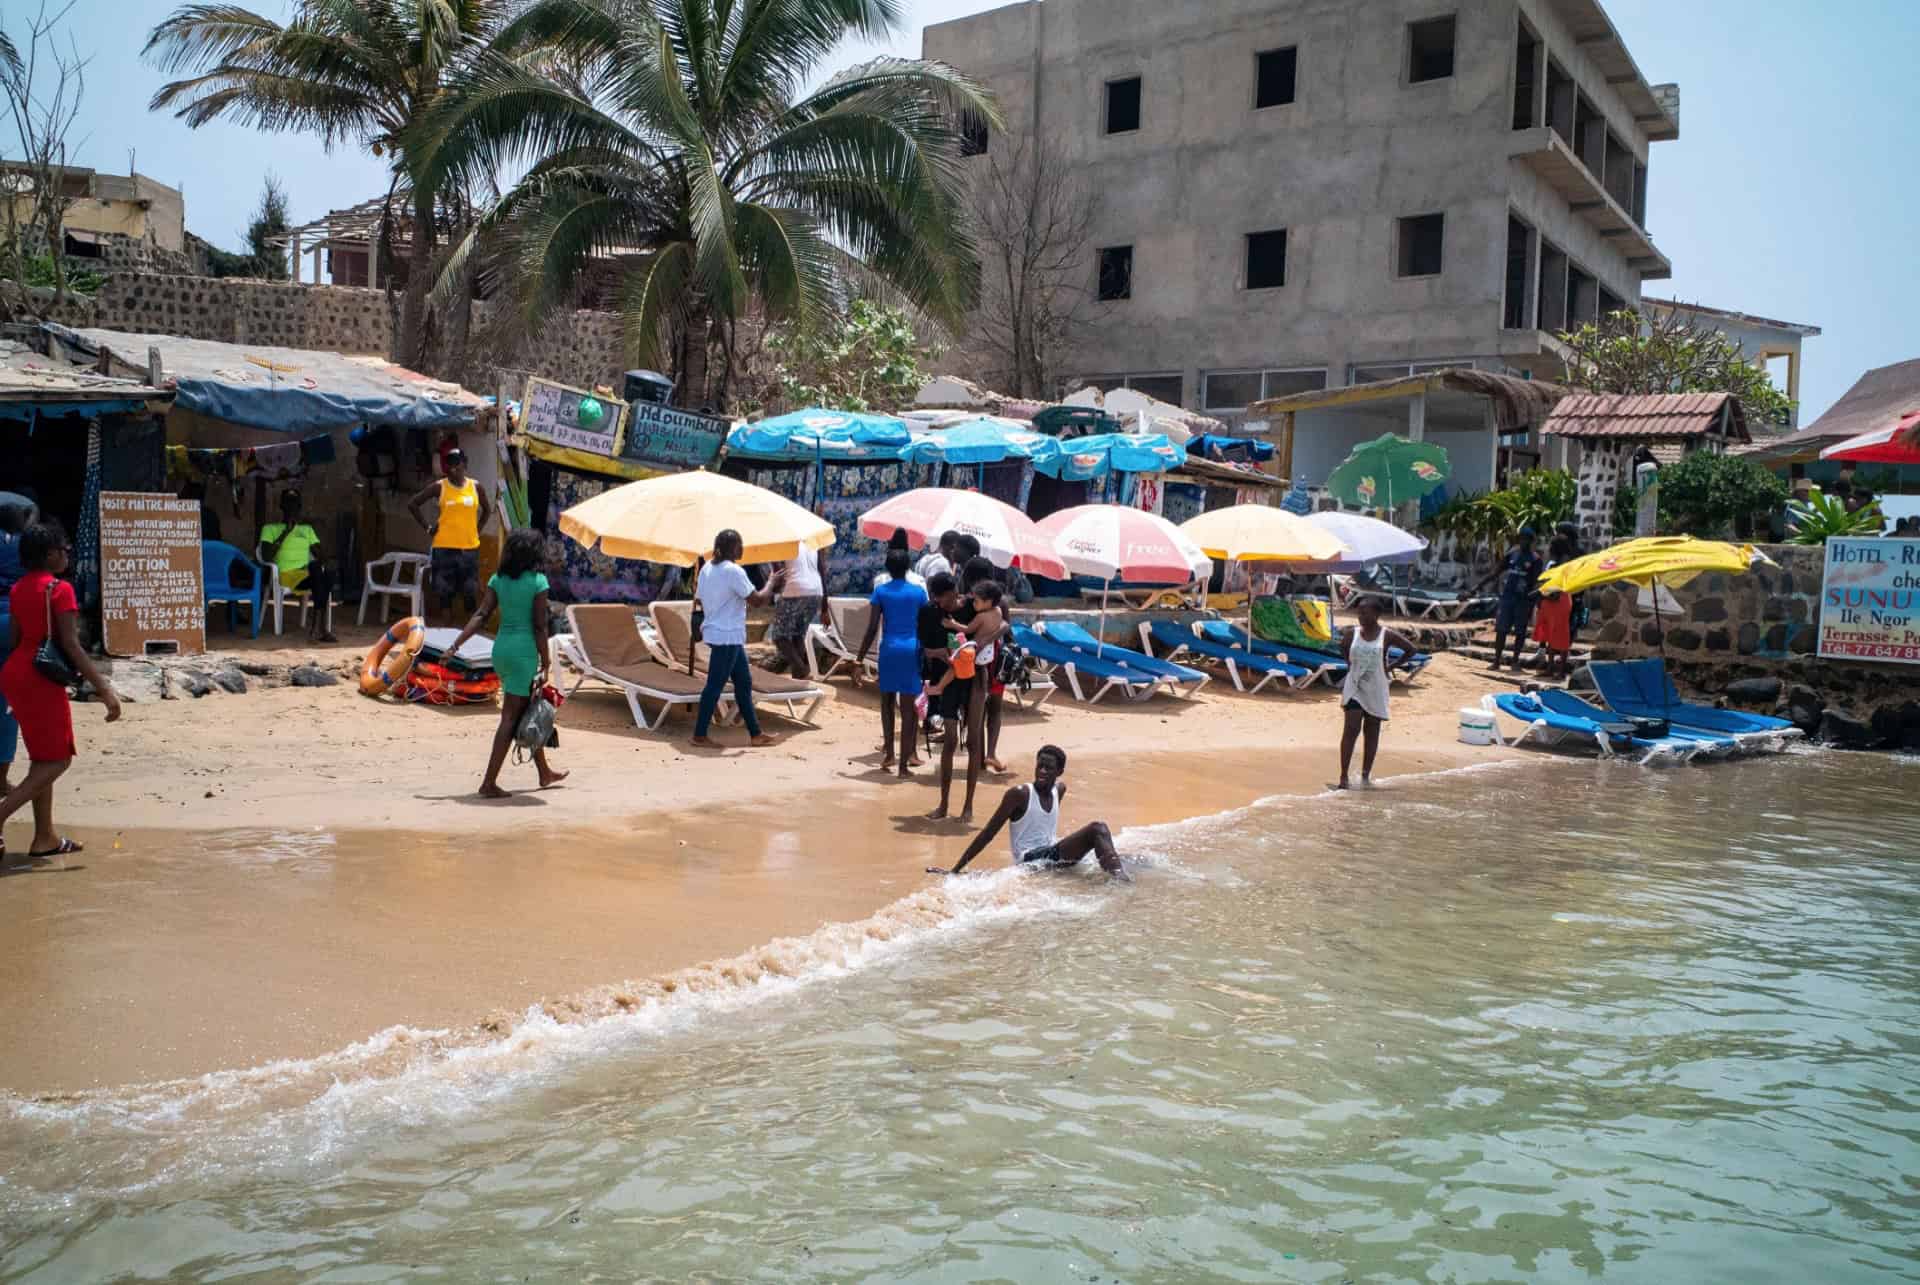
837,641
606,646
671,638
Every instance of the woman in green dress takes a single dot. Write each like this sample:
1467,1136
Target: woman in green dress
519,590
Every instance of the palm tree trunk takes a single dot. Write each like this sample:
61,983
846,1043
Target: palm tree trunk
693,370
413,309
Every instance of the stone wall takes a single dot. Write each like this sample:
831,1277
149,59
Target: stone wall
1752,638
1602,464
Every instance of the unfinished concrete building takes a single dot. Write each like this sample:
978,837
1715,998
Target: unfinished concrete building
1295,195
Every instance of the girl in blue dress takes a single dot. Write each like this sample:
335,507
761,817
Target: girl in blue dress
896,619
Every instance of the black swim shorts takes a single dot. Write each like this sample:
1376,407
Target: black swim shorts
456,572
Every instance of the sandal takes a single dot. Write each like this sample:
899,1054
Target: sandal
66,847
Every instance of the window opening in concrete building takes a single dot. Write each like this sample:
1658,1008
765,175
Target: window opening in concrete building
1267,260
1589,135
1274,75
1116,273
81,247
1583,297
1283,383
974,134
1420,243
1430,50
1526,78
1123,105
1520,250
1381,372
1610,302
1231,389
1640,196
1552,312
1560,102
1619,175
1166,388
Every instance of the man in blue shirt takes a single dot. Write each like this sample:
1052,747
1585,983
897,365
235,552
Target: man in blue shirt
1519,577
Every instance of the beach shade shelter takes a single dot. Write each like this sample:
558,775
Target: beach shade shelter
1896,443
1081,459
1653,560
821,435
1008,537
673,520
1111,542
979,441
1387,471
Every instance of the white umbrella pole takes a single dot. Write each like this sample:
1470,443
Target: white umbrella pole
1100,639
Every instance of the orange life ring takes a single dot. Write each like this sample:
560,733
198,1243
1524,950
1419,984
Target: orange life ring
428,678
392,657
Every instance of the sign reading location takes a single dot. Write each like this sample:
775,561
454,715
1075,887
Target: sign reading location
151,598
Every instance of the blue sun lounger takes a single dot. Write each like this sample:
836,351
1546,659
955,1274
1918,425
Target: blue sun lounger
1178,679
1232,635
1643,689
1555,717
1175,641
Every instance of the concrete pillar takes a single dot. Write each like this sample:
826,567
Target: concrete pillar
373,262
294,261
1417,418
316,263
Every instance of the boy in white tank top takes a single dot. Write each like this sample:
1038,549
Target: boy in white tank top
1031,814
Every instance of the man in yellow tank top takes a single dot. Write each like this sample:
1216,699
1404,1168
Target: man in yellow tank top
463,512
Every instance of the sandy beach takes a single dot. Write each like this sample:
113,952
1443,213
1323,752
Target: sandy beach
282,874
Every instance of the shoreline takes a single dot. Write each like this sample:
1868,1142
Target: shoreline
257,920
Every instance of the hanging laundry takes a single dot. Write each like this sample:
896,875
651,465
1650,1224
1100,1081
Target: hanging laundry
279,459
179,471
317,450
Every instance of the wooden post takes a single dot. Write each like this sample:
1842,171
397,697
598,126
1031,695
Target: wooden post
154,373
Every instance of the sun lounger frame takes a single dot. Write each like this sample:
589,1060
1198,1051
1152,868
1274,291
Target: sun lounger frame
1137,691
574,655
1219,653
657,644
1544,733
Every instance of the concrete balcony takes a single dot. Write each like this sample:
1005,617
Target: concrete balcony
1547,155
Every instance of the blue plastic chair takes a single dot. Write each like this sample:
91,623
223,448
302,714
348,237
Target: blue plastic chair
218,563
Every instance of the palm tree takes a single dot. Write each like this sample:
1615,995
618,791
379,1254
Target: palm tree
360,70
676,130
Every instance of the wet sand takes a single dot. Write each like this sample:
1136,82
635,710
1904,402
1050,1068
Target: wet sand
283,874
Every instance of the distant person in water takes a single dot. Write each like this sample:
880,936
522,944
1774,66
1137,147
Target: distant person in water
520,656
1031,815
1366,649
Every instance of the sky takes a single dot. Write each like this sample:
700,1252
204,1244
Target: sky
1791,192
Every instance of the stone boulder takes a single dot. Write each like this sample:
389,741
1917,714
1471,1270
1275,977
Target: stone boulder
311,676
195,682
1804,707
228,678
1843,730
1754,691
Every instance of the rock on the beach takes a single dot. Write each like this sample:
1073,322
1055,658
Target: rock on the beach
194,681
1804,707
1845,731
138,680
311,676
1754,691
230,679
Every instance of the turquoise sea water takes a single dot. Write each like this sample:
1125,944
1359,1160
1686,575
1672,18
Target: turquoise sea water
1544,1022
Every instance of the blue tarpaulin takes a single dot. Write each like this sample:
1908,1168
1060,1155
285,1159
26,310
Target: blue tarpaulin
980,441
287,390
821,435
1081,459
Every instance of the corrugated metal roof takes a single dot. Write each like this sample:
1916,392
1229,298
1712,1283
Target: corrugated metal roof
1648,416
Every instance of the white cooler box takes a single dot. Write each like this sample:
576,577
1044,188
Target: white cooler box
1476,727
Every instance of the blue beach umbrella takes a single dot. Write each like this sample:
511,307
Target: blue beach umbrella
819,435
980,441
1081,459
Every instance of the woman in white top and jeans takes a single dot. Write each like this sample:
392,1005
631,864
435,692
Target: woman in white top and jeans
725,593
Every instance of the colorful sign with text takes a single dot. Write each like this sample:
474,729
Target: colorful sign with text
1870,601
665,438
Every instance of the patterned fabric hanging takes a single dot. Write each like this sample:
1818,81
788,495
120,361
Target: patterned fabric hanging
86,543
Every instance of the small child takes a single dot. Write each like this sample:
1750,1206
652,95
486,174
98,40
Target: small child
975,651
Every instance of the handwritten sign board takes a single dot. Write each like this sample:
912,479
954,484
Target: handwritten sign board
552,413
150,590
664,438
1870,601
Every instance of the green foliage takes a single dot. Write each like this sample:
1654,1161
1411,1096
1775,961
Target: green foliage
1626,512
1705,493
1626,353
867,359
1821,517
38,271
1538,498
263,259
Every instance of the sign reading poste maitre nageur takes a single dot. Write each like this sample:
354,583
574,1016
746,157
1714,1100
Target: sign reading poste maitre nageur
1870,601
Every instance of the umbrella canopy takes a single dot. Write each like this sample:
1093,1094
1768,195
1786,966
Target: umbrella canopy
1669,559
1897,443
1262,533
673,519
1387,471
1111,542
979,441
818,434
1081,459
1008,537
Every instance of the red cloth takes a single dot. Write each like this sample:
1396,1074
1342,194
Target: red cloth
1553,622
45,717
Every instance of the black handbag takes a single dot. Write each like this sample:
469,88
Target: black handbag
50,662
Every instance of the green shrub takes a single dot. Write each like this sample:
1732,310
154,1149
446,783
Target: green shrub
1821,517
1706,493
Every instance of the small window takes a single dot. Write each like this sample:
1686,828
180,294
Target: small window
1430,50
1123,105
1163,388
1267,260
1273,77
1116,273
1284,383
1232,389
1421,236
973,134
1519,274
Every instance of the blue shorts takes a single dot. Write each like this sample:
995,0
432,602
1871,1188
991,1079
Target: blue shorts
1513,616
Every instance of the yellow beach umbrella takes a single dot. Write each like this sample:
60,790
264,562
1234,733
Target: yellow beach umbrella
1262,533
1669,559
673,520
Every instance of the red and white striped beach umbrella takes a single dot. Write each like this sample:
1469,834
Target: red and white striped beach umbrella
1895,443
1113,542
1008,537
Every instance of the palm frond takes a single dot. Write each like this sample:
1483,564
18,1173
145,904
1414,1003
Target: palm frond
652,299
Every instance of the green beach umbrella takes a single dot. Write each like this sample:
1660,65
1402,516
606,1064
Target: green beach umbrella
1387,471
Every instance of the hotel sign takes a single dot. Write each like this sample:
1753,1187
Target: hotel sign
1870,601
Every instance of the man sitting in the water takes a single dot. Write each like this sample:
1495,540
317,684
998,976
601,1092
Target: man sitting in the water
1031,814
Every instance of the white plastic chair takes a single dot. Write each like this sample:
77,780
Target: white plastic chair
277,595
407,575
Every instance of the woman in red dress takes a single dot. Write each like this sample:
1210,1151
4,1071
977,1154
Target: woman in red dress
43,603
1553,619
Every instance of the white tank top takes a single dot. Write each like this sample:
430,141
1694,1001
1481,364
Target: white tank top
1037,827
1366,683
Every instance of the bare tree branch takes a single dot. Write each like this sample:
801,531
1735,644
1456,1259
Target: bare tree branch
42,86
